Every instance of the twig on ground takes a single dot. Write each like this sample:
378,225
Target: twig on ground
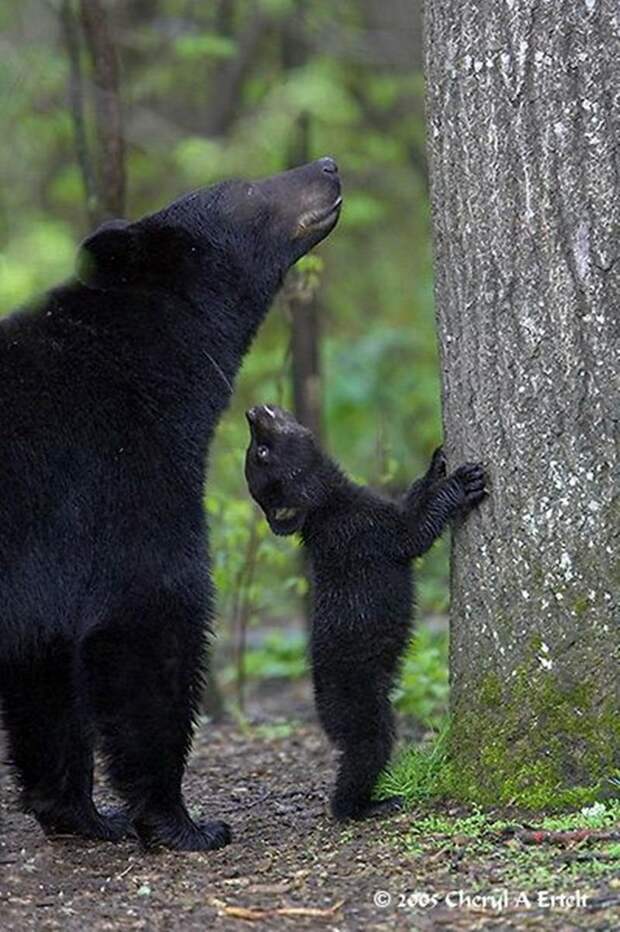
536,836
256,913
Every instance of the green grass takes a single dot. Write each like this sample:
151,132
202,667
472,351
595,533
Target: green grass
416,773
476,824
426,773
476,836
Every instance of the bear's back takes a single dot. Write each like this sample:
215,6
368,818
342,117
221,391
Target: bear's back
101,449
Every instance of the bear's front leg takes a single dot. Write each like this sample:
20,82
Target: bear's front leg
457,494
145,669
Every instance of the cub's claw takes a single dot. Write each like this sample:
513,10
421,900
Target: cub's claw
437,468
472,479
357,810
382,808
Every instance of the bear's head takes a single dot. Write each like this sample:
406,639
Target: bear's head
286,471
232,238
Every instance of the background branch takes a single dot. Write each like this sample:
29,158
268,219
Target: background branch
71,37
111,194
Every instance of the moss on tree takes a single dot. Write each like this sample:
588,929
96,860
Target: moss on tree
532,742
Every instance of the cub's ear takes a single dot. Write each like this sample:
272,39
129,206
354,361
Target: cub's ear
106,259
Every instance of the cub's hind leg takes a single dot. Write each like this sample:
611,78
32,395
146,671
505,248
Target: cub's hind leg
358,719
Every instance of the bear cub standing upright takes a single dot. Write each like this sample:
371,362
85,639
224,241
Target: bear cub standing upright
361,545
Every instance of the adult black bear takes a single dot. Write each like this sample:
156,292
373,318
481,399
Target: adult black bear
111,387
361,546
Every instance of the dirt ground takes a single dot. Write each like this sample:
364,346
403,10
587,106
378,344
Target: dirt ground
271,781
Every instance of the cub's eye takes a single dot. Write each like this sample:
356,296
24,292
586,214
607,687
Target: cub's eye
263,453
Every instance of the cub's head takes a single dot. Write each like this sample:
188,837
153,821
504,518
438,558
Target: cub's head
283,468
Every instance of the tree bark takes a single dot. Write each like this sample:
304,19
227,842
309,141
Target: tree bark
230,76
305,326
305,323
302,302
523,121
112,183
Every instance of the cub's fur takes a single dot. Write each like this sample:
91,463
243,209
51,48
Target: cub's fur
361,546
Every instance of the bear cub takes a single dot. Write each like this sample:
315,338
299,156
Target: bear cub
361,545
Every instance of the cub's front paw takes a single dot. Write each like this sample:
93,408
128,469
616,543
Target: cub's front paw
472,483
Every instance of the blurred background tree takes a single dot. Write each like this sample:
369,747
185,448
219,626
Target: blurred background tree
121,105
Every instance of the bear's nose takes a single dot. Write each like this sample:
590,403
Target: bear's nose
329,165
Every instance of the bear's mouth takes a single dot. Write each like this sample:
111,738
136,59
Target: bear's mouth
313,220
284,521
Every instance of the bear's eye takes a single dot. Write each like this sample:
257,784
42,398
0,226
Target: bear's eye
263,453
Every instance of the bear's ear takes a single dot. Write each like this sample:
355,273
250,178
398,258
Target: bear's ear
107,257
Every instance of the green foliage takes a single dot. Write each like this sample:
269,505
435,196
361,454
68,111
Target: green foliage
423,687
598,815
276,731
31,258
372,279
205,46
281,655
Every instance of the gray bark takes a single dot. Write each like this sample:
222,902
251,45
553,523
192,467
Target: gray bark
523,120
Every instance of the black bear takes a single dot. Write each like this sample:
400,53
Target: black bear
361,546
111,388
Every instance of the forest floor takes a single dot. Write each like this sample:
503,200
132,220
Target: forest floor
270,779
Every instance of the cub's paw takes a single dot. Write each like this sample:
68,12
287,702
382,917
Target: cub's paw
383,808
357,810
472,483
437,468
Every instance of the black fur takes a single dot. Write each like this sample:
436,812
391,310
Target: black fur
111,388
361,546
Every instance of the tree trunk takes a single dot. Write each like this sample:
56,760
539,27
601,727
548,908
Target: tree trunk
111,195
71,33
523,127
305,324
302,301
305,327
